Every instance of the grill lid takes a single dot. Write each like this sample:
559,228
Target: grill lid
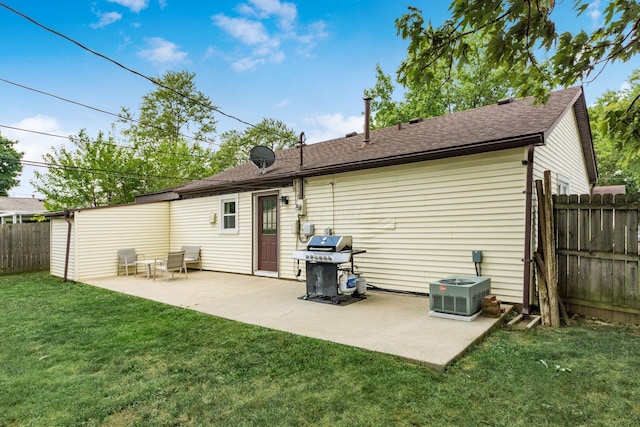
329,243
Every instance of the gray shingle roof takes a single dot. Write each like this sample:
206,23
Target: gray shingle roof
20,204
483,129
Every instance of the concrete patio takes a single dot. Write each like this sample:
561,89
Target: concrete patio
385,322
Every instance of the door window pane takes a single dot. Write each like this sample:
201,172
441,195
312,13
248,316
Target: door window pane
269,222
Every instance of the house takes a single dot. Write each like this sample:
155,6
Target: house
419,197
18,209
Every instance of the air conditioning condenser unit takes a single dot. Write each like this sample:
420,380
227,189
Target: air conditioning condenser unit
459,295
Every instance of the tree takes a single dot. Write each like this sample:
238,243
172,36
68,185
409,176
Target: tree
10,166
153,153
618,162
176,107
522,34
471,85
236,145
95,173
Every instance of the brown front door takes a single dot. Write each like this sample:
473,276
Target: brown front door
268,233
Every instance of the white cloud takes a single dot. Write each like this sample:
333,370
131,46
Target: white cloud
34,145
285,13
594,13
625,87
106,19
133,5
283,103
251,33
244,64
162,52
324,127
246,31
264,25
316,31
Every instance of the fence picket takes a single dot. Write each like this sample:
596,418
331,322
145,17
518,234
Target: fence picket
24,247
600,243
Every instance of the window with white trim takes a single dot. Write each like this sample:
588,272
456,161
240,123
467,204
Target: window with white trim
228,214
563,185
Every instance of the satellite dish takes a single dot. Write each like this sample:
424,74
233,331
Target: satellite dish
262,157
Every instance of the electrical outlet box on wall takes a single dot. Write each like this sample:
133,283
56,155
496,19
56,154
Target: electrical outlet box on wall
308,228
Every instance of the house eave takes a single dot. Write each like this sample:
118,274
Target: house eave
477,148
286,178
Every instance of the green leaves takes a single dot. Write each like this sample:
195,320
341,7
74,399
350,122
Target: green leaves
519,37
615,124
167,144
522,35
436,90
10,166
236,145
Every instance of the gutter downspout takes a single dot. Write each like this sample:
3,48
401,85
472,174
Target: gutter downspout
66,259
527,232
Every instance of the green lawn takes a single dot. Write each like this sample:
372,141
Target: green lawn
73,354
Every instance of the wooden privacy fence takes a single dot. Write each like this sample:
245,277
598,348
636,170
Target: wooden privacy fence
24,247
597,253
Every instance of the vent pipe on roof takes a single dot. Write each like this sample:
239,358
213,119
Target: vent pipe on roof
504,101
367,117
303,138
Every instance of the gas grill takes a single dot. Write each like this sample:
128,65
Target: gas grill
322,258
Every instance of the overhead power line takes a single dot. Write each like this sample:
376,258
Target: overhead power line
119,116
151,79
124,174
75,138
126,147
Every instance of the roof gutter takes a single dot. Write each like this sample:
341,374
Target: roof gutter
482,147
286,178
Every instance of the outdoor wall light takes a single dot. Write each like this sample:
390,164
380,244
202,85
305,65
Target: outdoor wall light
284,200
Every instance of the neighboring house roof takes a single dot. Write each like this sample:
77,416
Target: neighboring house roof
18,205
499,126
609,189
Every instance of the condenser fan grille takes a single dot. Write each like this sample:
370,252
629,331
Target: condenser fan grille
457,282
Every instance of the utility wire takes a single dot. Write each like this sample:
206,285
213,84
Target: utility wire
126,147
75,138
119,116
122,174
151,79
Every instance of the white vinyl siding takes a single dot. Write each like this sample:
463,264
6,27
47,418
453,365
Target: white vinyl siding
288,239
191,225
59,232
101,232
562,155
419,222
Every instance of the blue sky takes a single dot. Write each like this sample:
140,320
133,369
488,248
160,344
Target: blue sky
305,63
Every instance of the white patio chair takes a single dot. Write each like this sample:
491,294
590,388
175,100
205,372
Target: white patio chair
127,258
192,255
172,263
